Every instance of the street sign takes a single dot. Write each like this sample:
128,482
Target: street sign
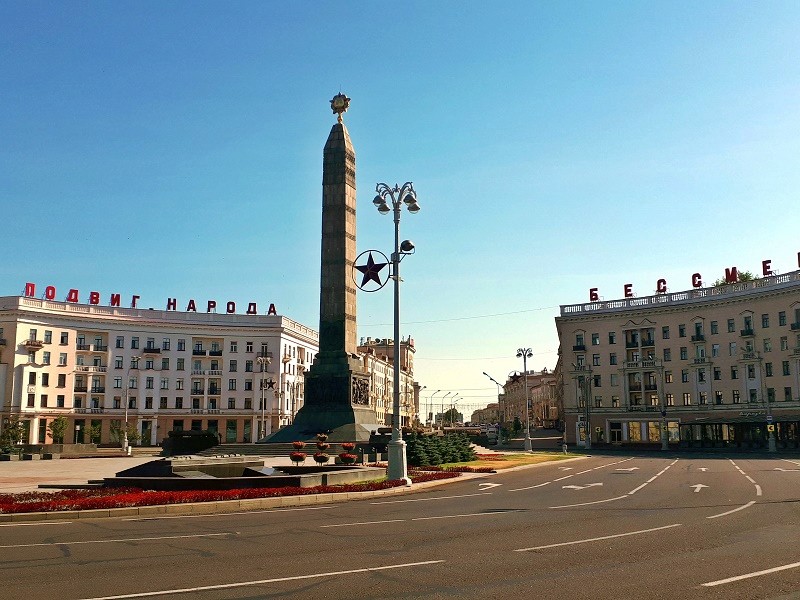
770,427
598,429
769,418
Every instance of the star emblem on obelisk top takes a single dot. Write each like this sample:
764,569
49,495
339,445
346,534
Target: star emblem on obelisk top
340,103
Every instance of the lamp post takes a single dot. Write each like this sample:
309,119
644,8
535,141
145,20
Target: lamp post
397,197
442,413
430,408
525,354
500,415
264,362
134,365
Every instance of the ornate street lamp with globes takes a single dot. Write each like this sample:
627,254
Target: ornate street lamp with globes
525,354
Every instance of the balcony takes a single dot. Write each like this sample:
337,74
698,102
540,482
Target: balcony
99,389
198,391
631,343
83,347
151,350
198,372
32,344
750,355
747,332
796,351
2,342
214,391
90,369
648,342
635,386
650,387
215,352
79,388
699,338
579,348
795,326
100,347
197,352
216,372
701,361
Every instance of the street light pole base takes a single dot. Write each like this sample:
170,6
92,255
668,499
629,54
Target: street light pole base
398,466
771,441
528,445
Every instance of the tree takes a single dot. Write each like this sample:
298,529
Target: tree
12,433
740,276
58,427
93,431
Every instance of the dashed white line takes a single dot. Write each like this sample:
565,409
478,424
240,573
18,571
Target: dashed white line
598,539
122,540
750,575
653,478
588,503
363,523
530,487
238,584
227,514
748,505
434,498
35,524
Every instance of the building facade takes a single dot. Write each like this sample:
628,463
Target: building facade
378,358
711,367
163,370
543,405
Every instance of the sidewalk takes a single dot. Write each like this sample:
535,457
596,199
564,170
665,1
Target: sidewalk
26,475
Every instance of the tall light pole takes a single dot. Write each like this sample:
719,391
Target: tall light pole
430,407
133,365
525,354
442,413
264,361
500,416
397,196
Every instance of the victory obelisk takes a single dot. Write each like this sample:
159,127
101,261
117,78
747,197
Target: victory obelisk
336,387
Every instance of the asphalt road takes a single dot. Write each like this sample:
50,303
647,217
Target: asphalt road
602,527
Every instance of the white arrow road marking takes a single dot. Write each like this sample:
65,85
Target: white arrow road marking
579,487
486,485
698,486
786,470
629,469
703,469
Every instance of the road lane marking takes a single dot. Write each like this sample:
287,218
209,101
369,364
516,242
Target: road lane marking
121,540
750,479
530,487
480,514
588,503
703,469
364,523
653,478
598,539
34,524
698,486
753,574
245,512
748,505
629,469
238,584
434,498
487,485
579,487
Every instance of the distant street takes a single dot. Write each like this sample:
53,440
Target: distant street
622,526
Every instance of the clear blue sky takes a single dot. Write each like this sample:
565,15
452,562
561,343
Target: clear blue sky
174,149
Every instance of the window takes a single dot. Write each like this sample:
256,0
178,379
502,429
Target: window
77,402
165,364
734,373
612,337
784,343
714,350
768,369
117,362
233,366
667,355
62,380
787,394
732,349
736,397
64,338
179,402
231,403
718,397
667,376
764,321
45,358
770,394
248,385
149,364
614,401
249,347
248,404
118,383
767,345
598,401
132,383
687,398
714,327
212,404
685,376
753,395
231,384
614,379
665,333
684,353
701,375
150,344
597,381
48,336
595,339
595,360
162,402
669,399
785,367
181,345
731,325
782,318
681,330
580,360
180,364
132,402
43,401
62,359
703,398
148,402
45,379
120,343
31,378
579,339
134,343
717,374
751,371
612,358
248,366
164,383
234,347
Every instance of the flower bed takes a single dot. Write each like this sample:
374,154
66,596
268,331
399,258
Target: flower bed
131,497
438,469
